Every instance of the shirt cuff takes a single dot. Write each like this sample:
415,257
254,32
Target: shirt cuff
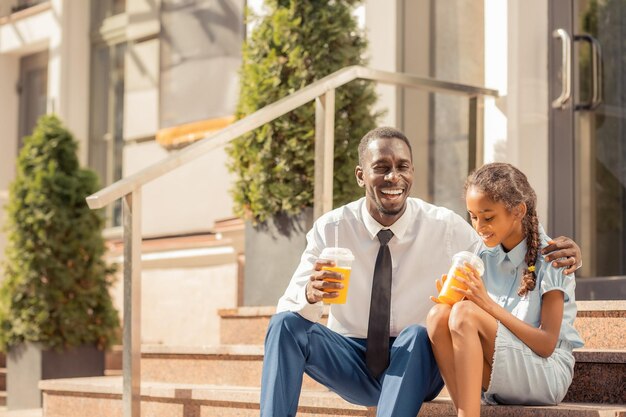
311,312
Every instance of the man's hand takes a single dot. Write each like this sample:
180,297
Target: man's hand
316,288
563,252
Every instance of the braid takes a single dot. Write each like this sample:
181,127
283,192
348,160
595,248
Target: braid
531,230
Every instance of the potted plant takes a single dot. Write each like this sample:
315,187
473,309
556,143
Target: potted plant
56,313
294,43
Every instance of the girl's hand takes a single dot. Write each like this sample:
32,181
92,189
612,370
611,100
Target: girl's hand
439,284
476,291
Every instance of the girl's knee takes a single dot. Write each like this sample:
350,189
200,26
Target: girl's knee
462,316
437,319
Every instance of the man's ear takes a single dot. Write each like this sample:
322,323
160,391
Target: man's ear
358,172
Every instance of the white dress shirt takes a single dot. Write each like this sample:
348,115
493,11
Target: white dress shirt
425,239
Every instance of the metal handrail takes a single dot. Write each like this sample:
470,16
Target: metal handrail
323,93
273,111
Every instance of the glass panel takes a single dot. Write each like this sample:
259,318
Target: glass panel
442,40
200,59
601,139
448,151
101,9
33,92
107,118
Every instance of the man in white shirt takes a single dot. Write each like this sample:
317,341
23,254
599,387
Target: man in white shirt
425,237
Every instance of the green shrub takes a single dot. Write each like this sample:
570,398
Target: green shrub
56,286
294,44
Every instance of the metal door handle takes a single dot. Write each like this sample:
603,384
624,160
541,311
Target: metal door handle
596,72
566,68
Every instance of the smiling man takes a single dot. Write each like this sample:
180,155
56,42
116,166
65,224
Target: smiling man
374,350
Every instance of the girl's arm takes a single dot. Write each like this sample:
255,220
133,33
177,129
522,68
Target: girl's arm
541,340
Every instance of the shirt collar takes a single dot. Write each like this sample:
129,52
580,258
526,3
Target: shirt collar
515,255
399,228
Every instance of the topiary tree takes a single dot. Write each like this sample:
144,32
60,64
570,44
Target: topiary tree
56,286
294,44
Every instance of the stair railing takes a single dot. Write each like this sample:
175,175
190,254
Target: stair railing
323,92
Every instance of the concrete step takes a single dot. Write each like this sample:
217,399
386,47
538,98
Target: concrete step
599,376
34,412
602,324
247,325
100,397
239,365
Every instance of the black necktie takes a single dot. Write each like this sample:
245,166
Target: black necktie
377,353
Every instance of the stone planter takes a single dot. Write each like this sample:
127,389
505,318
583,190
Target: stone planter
27,364
273,250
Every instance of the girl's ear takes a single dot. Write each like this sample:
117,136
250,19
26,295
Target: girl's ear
519,211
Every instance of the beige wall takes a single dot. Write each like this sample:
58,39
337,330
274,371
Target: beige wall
189,199
179,305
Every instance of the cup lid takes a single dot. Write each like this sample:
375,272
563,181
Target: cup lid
472,259
343,254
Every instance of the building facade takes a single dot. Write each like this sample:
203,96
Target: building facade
135,80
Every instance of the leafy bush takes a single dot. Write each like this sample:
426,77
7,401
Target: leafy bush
294,44
56,286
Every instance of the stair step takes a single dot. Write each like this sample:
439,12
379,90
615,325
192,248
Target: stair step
101,396
602,324
113,358
3,360
239,365
248,325
3,398
599,376
3,379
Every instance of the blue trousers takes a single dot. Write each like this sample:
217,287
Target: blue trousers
295,345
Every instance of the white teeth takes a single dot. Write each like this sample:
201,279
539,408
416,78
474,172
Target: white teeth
397,191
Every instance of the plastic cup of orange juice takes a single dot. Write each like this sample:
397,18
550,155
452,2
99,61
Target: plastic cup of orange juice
447,294
343,264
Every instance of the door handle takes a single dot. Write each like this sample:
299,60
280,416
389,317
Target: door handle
596,72
566,68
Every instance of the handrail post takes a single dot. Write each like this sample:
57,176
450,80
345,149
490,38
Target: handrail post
324,153
476,134
131,355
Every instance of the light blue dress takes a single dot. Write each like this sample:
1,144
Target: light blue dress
520,376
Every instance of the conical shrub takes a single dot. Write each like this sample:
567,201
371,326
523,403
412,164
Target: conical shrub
56,285
295,43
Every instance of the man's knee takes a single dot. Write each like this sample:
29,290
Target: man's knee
413,335
287,321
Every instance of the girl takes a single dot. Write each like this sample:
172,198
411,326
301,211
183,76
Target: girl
512,337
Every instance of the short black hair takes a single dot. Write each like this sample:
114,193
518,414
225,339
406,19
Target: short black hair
384,132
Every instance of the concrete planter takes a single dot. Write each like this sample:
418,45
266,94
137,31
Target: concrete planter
27,364
273,251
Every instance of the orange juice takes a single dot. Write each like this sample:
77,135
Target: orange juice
343,293
447,294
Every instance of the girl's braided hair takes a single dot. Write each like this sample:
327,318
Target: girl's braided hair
504,183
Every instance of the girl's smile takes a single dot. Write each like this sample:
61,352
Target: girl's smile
492,220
